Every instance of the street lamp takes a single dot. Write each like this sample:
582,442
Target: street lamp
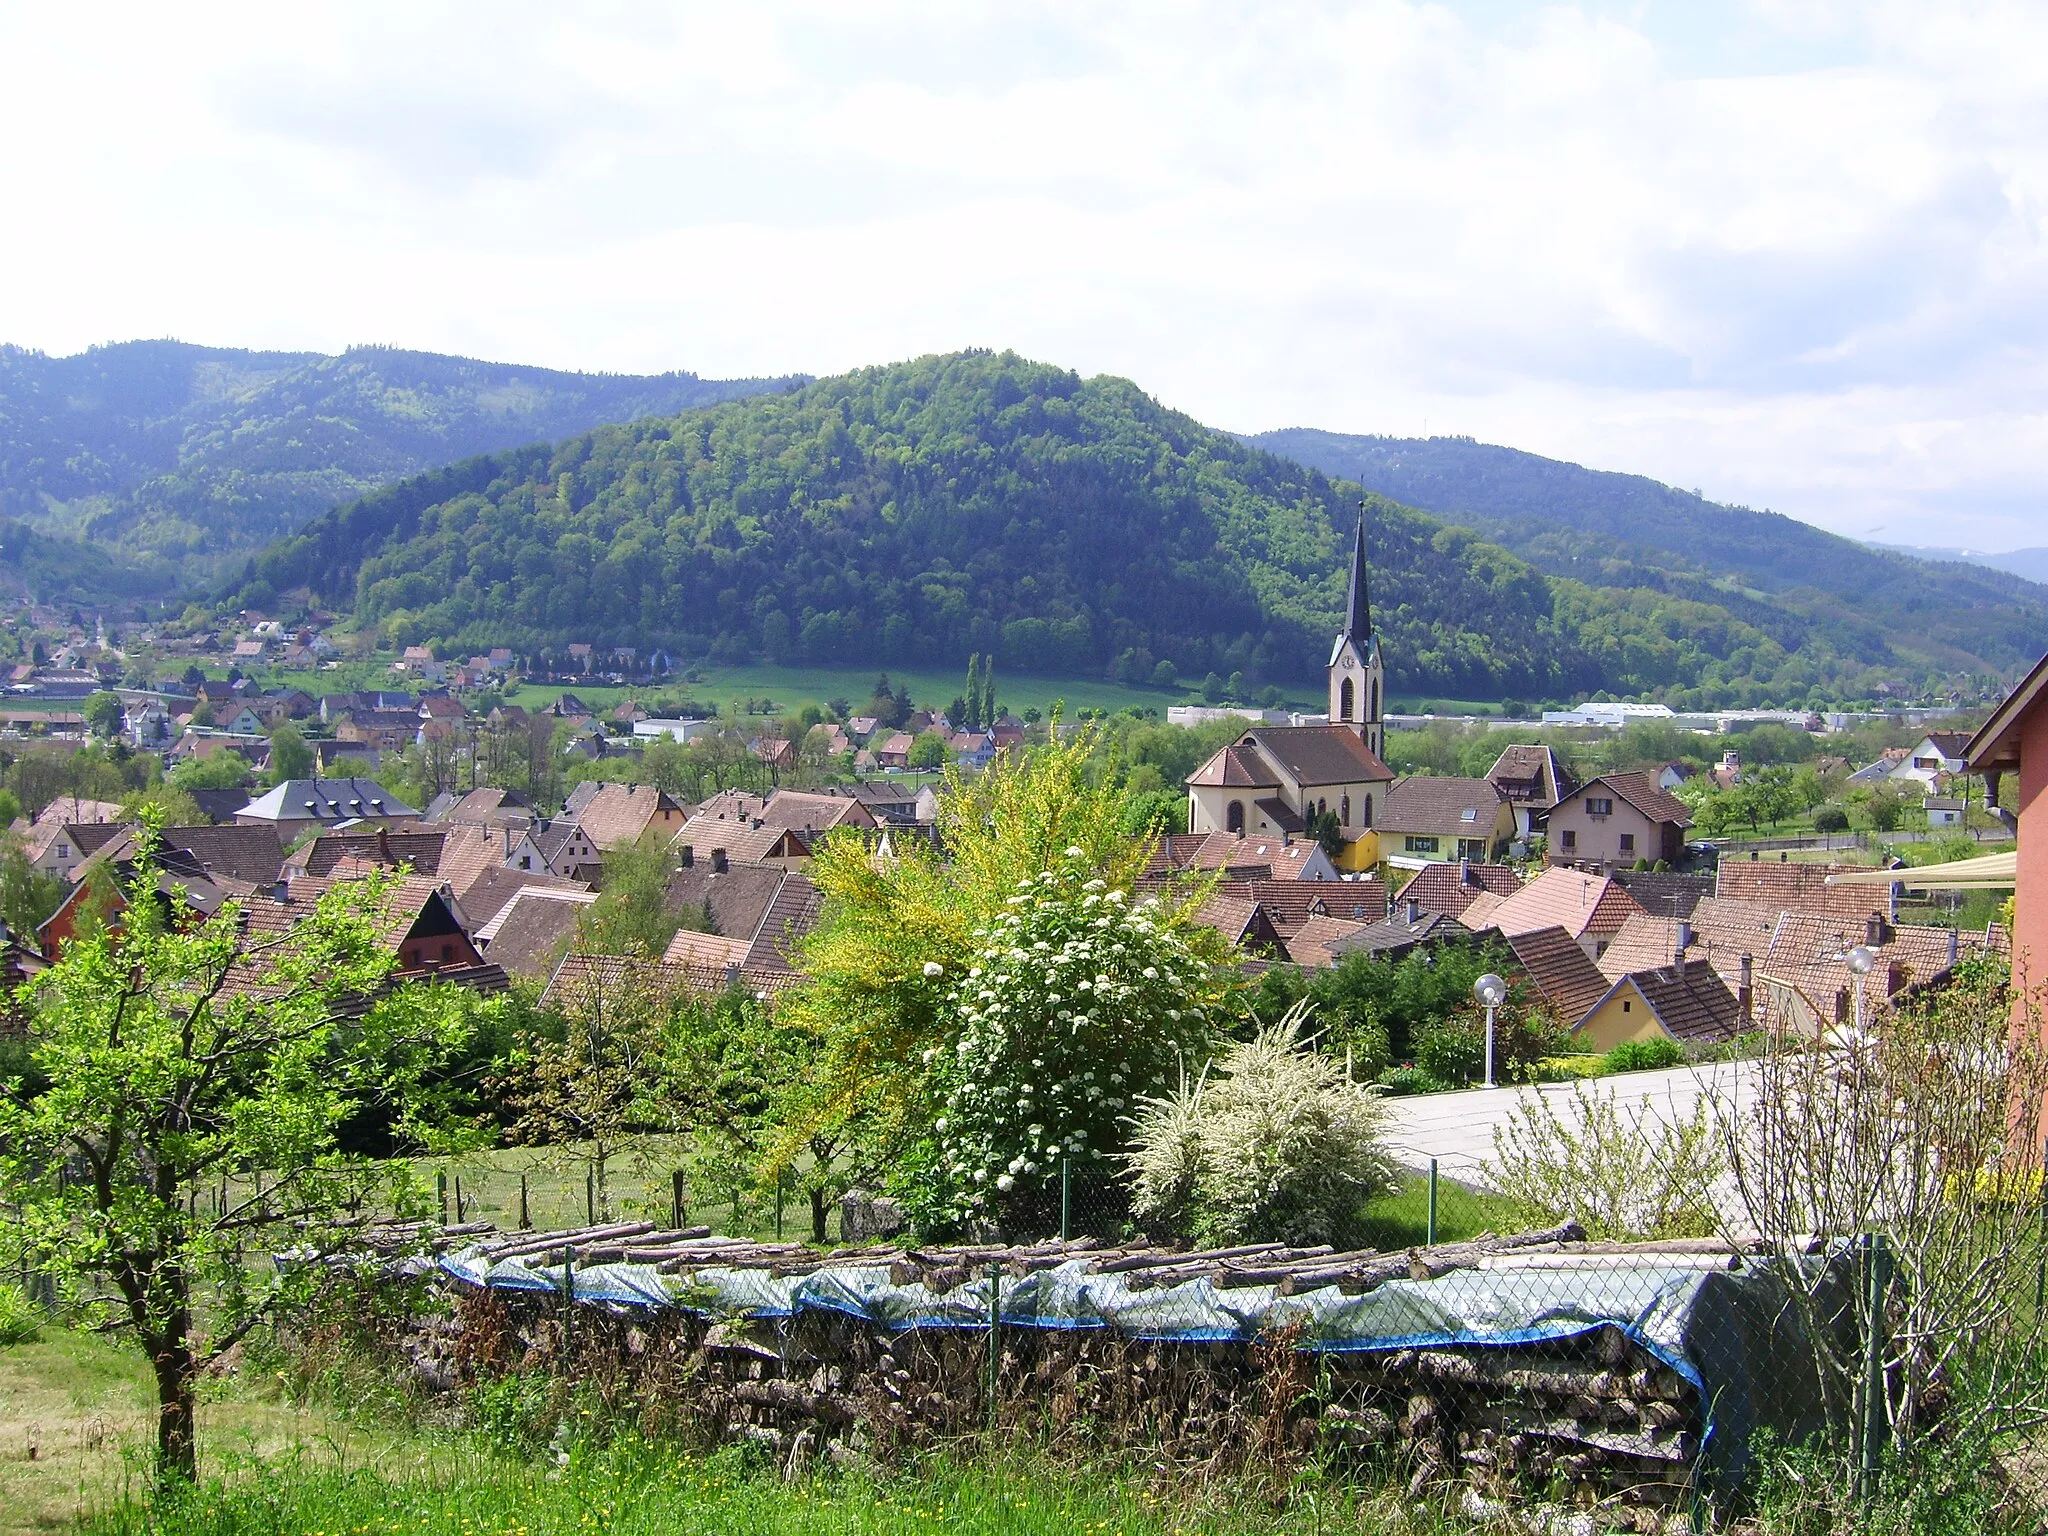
1491,992
1860,961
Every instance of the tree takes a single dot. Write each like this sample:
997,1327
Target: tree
631,915
1328,832
103,713
217,770
609,1082
177,1055
988,693
895,936
27,895
928,752
969,716
290,757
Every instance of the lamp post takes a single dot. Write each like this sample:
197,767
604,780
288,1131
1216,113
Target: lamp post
1491,992
1860,961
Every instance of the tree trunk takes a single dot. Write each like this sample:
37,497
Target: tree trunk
819,1209
177,1421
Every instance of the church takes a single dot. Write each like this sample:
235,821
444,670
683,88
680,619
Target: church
1278,778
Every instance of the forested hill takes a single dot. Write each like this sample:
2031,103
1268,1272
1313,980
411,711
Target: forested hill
1627,530
163,452
982,502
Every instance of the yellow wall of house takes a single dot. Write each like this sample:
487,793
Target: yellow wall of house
1623,1017
1361,853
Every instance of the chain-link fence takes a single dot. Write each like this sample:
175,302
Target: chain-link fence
1524,1364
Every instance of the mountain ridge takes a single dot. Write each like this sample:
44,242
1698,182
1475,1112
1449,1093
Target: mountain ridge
976,501
169,453
1632,531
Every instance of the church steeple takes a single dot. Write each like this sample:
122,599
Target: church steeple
1357,674
1358,606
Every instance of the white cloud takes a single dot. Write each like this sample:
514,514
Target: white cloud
1794,257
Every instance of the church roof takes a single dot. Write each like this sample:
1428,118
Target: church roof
1318,754
1235,767
1358,603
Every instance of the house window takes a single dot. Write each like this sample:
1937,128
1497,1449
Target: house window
1344,813
1421,845
1366,819
1233,819
1345,700
1599,805
1374,713
1570,838
1628,1007
1628,842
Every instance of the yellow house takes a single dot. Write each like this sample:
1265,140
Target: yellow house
1685,1003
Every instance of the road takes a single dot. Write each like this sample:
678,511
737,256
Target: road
1457,1128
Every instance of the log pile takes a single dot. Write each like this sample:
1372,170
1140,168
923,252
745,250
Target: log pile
1595,1412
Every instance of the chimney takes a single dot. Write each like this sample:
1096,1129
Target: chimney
383,845
1464,870
1684,937
1954,945
732,973
281,891
1896,975
718,862
1678,965
1745,996
689,855
1876,930
1414,911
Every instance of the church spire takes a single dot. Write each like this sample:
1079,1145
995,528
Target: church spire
1358,608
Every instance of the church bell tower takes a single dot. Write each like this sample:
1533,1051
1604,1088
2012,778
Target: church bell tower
1357,677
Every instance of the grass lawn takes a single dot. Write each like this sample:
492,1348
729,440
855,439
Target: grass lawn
76,1427
1401,1220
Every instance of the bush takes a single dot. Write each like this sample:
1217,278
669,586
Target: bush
1619,1175
1396,1082
1646,1055
20,1318
1453,1047
1281,1147
1078,1002
1831,818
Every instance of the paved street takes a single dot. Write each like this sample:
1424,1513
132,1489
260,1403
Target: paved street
1457,1128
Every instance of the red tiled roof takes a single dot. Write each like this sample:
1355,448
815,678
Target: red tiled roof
1450,886
1570,983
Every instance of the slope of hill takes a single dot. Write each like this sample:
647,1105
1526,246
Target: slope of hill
979,502
1786,577
156,450
2029,563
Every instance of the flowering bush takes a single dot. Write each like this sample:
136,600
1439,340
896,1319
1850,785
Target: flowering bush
1277,1144
1077,1003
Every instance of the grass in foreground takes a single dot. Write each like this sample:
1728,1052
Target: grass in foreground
631,1488
76,1427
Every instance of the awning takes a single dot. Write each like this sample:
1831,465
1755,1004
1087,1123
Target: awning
1993,871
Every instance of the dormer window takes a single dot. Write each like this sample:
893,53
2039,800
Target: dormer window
1599,805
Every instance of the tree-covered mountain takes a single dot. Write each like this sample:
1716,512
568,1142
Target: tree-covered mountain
164,453
978,502
1794,581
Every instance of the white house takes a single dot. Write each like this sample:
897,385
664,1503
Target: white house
1944,812
1938,753
674,730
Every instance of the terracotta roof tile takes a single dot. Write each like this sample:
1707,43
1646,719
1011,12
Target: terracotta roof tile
1449,886
1311,944
1570,983
1441,807
1789,887
1569,899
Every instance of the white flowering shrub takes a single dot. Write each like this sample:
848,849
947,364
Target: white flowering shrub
1078,1002
1275,1143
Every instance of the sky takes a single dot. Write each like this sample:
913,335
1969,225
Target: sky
1787,252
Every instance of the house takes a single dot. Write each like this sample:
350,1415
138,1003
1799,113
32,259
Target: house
1243,857
760,916
298,804
1570,983
1685,1003
619,815
1242,923
569,707
1665,892
1781,886
1318,941
1944,812
1532,779
62,848
722,844
420,923
219,805
1401,932
894,752
1591,908
496,888
1673,776
1617,820
249,855
249,650
646,729
778,752
1278,779
187,894
814,813
441,706
973,750
1727,773
486,806
1890,761
559,847
1938,756
386,730
1426,819
2013,744
1451,886
246,721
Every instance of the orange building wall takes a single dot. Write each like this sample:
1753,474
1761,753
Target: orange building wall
2030,924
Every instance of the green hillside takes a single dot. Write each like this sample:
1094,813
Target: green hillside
1794,581
911,514
161,452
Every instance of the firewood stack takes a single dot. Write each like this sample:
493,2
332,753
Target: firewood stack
1596,1412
